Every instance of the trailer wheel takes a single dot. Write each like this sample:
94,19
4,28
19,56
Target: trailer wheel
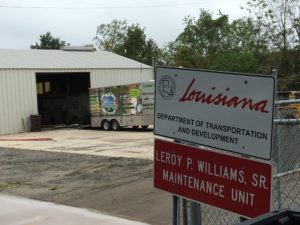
135,127
106,125
115,125
145,127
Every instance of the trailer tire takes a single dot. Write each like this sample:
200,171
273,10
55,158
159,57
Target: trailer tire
135,127
115,125
106,125
145,127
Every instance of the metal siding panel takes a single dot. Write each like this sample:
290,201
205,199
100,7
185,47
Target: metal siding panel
30,99
22,93
2,101
11,102
15,89
110,77
18,99
5,102
2,78
32,82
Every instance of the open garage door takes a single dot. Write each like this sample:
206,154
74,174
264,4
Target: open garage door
63,98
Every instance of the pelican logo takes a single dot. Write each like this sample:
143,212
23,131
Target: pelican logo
167,87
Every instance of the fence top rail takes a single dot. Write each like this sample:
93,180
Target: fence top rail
283,102
286,121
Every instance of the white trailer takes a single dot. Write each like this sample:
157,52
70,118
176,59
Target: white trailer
121,106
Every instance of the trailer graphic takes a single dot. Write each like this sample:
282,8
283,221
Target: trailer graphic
124,105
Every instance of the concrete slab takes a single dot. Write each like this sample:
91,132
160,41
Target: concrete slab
22,211
124,143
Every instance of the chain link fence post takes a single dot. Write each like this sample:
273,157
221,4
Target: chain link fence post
278,147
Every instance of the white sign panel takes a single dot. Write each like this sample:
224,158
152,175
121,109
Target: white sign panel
228,111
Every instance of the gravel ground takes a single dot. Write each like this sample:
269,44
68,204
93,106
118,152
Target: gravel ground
114,185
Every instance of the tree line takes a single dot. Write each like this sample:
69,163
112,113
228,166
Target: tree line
267,38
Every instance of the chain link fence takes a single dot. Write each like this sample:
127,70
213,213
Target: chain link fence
285,162
286,155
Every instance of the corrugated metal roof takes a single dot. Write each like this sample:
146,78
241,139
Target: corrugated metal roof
57,59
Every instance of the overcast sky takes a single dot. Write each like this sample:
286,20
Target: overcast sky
76,21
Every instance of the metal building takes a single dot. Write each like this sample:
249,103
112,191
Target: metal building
54,83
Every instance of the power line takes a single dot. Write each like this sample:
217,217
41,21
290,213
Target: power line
112,7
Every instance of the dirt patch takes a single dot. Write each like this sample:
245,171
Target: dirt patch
117,186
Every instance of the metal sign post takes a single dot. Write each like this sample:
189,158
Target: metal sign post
176,210
194,213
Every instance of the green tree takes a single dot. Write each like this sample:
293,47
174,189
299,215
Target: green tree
126,40
134,43
47,41
245,49
152,53
215,43
279,23
110,37
199,40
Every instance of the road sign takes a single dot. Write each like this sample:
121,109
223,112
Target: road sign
233,112
235,184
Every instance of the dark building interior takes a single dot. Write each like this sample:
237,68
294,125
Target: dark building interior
63,98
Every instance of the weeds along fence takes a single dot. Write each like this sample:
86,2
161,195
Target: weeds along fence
285,162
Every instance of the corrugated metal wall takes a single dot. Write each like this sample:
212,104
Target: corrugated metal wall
109,77
18,98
